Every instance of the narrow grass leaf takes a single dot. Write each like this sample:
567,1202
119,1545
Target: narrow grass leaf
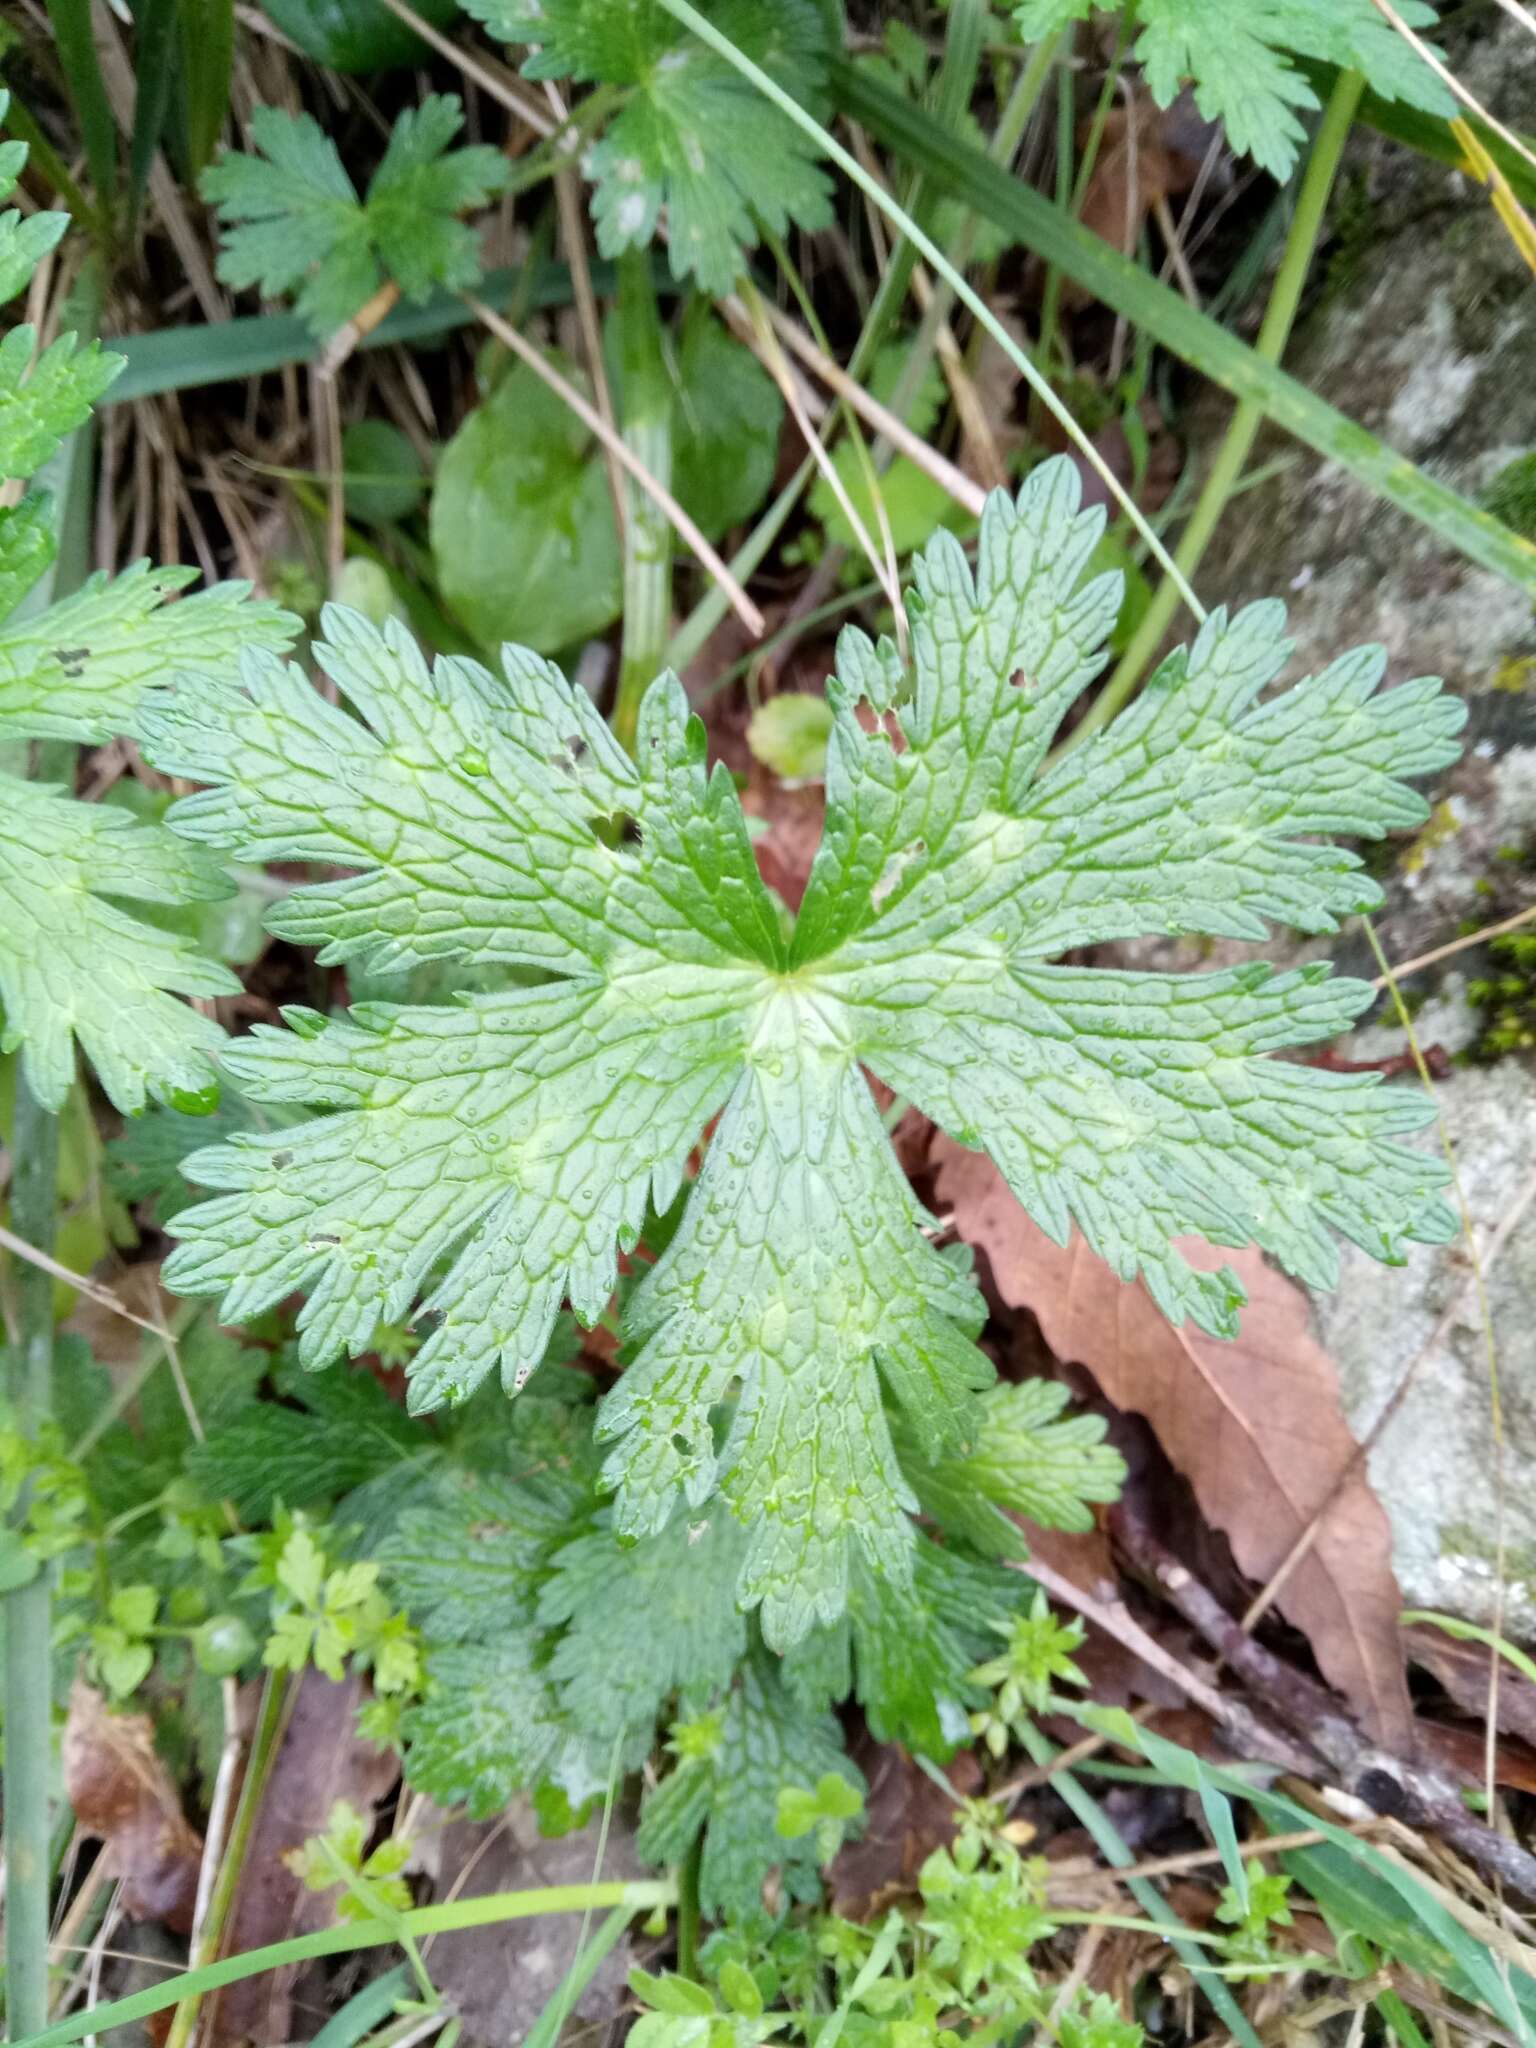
1162,313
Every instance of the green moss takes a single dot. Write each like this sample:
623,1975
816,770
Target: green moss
1505,999
1512,495
1443,824
1463,1539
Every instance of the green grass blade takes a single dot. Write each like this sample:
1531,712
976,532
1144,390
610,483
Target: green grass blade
549,2025
71,21
207,62
1426,133
489,1911
154,72
363,2012
181,358
1160,312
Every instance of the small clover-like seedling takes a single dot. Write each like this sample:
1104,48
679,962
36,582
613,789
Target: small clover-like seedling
1243,59
485,1158
825,1813
1251,1918
690,138
374,1887
293,220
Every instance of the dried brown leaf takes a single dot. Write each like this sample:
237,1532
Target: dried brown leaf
122,1793
1462,1668
1140,162
1255,1426
907,1817
321,1759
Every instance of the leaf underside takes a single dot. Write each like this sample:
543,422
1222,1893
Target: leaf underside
484,1159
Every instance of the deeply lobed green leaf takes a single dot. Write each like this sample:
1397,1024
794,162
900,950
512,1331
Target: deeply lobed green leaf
73,964
294,222
690,137
77,670
1240,59
486,1158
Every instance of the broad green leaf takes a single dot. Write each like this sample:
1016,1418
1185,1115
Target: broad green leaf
490,1726
384,479
143,1163
77,670
135,1461
470,1565
359,35
73,963
766,1741
644,1622
690,137
294,223
1240,59
25,239
522,521
727,414
487,1157
346,1431
27,547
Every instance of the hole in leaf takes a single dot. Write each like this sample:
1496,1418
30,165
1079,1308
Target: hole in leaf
895,868
617,828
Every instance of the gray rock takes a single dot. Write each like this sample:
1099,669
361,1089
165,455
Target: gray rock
1426,333
1436,1462
499,1979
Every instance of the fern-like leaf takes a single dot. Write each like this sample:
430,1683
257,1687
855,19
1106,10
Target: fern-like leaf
294,222
490,1155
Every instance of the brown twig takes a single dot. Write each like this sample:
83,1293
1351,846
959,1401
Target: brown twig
1265,1744
1489,931
1388,1784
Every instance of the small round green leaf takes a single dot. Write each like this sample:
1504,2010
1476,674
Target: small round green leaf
382,473
522,524
789,734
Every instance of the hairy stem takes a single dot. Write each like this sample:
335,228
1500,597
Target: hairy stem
1237,445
